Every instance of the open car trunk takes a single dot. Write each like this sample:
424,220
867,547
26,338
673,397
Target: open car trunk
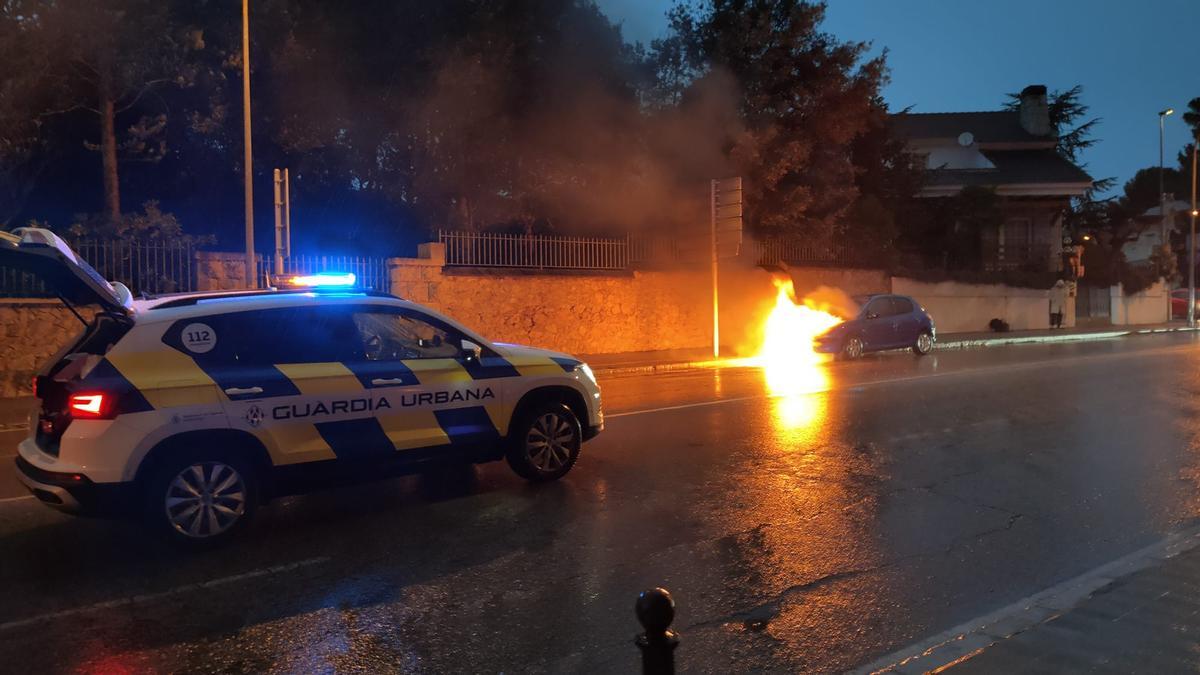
46,256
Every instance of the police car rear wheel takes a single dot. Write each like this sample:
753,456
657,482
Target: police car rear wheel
201,500
546,444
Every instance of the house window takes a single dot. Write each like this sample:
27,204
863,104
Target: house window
1016,240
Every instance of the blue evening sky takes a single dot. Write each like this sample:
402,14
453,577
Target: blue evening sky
1133,58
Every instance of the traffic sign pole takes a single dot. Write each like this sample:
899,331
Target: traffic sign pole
715,312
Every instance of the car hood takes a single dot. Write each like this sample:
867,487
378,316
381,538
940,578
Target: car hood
511,350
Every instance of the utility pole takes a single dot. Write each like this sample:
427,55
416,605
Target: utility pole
251,271
278,180
1191,313
283,219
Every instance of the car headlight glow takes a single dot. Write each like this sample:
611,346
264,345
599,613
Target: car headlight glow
587,372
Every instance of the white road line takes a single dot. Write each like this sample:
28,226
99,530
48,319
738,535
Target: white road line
152,597
22,498
1007,367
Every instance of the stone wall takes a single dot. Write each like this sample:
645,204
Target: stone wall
576,313
33,331
850,281
1148,306
220,270
965,308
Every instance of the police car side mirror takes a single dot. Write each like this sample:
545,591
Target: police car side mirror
470,350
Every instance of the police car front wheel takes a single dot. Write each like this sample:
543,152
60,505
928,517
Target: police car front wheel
200,499
546,443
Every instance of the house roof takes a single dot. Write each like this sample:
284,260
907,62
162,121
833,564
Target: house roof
1043,172
999,126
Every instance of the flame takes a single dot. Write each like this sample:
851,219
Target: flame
791,367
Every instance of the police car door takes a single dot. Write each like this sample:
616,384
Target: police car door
284,376
434,389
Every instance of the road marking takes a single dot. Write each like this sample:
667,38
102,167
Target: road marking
973,637
1007,367
16,499
152,597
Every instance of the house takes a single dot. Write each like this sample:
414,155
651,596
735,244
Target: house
1012,152
1149,225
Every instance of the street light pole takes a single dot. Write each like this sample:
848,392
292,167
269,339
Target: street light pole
248,166
1191,314
1162,198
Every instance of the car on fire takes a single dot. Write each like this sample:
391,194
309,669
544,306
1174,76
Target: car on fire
884,322
190,410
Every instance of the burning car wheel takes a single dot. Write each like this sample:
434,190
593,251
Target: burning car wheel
853,348
924,344
545,443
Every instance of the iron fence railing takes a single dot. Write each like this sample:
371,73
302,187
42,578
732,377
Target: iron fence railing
477,249
145,267
796,251
369,272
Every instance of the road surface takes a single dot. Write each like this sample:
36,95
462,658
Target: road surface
876,504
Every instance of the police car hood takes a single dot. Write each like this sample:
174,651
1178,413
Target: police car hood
506,349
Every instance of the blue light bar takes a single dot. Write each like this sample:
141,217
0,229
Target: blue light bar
323,280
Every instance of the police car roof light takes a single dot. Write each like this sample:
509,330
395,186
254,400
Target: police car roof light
323,280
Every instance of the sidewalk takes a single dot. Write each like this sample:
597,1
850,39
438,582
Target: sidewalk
683,359
1138,614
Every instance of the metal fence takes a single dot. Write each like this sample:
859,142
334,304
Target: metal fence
796,251
369,272
476,249
145,267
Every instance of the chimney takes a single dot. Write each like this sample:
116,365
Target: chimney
1035,114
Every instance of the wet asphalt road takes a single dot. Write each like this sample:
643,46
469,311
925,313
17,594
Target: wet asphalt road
814,531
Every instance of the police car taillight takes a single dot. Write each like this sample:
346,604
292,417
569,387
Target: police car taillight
93,405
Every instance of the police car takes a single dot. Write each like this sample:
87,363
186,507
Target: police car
193,409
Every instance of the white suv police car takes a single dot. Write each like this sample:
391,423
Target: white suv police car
193,409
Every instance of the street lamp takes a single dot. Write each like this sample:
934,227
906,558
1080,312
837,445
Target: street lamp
1191,315
1162,195
247,161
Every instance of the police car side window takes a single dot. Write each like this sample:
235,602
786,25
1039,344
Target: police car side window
292,335
389,336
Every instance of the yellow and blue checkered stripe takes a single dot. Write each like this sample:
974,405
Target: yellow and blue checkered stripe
170,378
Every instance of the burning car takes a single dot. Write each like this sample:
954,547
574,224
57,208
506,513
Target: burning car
884,322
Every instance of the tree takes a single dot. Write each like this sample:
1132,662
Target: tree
101,57
803,97
1066,108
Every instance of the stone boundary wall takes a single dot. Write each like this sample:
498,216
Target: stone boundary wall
1148,306
967,308
33,331
575,313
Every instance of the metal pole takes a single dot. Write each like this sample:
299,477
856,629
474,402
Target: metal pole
1191,315
251,271
287,215
278,181
713,230
1162,190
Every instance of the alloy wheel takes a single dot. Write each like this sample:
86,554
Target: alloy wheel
205,499
854,348
549,442
924,343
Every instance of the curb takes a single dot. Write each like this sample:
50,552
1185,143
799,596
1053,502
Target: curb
971,638
952,344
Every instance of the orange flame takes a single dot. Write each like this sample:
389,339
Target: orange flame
790,365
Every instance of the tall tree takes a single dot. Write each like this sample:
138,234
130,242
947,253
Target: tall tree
102,57
1074,130
803,95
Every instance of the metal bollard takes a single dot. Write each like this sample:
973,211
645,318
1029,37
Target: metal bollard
655,611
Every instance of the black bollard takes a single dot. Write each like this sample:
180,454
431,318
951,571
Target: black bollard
655,611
